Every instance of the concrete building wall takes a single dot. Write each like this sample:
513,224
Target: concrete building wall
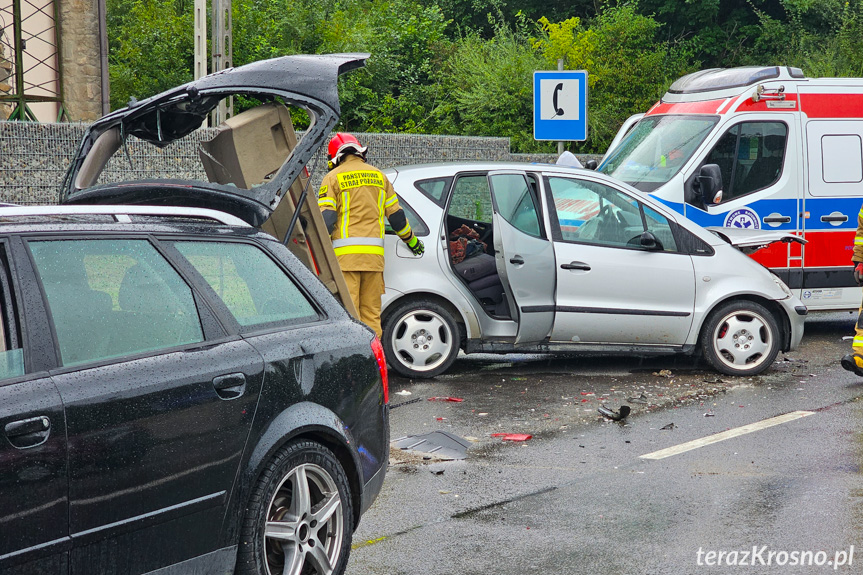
5,81
80,58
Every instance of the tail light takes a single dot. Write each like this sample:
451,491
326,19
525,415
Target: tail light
378,350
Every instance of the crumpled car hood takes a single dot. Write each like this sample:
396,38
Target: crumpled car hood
749,241
309,81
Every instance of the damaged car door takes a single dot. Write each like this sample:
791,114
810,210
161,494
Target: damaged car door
620,276
523,254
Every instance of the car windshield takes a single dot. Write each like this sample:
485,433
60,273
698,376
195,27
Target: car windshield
655,150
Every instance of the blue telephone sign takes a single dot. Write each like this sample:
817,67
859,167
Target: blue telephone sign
560,105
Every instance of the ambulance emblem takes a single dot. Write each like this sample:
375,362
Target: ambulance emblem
743,218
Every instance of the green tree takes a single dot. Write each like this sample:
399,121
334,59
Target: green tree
830,47
395,91
629,65
150,47
473,15
489,89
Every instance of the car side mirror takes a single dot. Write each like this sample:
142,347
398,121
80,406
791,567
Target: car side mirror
590,164
650,242
709,180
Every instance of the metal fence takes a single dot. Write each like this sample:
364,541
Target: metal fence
34,157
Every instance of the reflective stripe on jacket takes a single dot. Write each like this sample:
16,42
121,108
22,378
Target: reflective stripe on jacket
361,196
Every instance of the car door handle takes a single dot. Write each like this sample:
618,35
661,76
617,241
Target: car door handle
230,386
30,432
832,218
517,260
575,266
777,219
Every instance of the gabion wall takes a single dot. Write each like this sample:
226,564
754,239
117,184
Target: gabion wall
34,157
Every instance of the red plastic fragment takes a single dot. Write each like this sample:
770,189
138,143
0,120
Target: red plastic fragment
512,436
452,399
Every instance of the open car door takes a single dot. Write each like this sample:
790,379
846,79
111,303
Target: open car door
255,166
523,254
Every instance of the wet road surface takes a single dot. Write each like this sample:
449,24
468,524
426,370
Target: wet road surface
579,497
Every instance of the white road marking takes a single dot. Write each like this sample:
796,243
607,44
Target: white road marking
722,436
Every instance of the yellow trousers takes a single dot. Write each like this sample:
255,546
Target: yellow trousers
366,289
857,344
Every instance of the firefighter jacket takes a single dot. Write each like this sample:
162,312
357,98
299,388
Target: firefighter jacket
858,240
361,195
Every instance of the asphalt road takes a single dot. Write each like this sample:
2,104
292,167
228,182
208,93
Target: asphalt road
580,497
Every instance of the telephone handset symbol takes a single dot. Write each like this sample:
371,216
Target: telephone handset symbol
558,111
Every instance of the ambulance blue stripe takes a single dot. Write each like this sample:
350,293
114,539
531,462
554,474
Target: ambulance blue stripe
817,208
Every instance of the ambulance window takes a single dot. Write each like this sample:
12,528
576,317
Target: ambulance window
847,150
750,156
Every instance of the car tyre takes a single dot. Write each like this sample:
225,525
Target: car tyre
740,338
299,514
421,339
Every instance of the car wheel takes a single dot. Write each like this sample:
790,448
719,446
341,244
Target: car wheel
740,338
421,339
299,519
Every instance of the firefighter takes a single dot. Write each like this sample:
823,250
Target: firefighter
854,361
354,198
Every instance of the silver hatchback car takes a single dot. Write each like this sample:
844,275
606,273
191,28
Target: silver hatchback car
545,258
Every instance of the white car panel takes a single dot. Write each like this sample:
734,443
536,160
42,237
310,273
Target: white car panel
626,296
636,297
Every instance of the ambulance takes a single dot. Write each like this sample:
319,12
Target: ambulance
760,148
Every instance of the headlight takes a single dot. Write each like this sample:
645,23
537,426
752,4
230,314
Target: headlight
782,286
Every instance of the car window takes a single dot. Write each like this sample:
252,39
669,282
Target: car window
418,226
11,353
434,188
109,298
253,287
471,199
594,213
516,203
750,156
658,225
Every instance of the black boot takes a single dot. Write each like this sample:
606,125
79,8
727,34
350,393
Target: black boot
853,362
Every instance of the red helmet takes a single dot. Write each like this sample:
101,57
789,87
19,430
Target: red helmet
343,143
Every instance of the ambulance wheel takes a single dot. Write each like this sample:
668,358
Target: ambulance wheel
421,339
740,338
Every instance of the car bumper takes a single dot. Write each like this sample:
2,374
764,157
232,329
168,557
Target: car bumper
371,489
796,312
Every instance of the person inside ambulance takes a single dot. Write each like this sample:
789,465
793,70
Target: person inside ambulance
854,361
354,198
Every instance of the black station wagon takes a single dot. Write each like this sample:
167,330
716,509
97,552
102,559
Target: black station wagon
178,394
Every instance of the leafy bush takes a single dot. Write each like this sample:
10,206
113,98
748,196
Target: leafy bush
629,66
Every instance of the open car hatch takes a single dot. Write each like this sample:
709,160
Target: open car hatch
246,169
749,241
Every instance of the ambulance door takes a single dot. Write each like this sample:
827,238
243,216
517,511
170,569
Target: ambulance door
524,255
835,190
759,157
